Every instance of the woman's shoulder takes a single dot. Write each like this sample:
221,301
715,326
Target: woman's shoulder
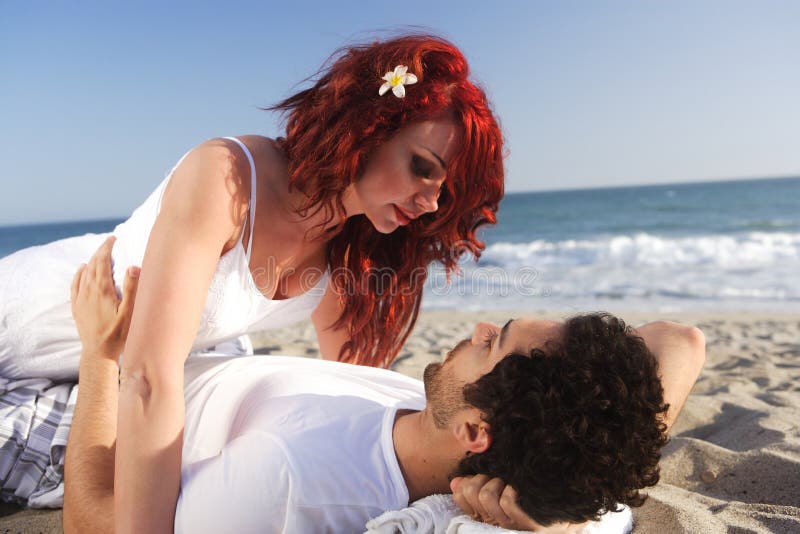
211,181
223,157
225,152
267,154
265,150
218,167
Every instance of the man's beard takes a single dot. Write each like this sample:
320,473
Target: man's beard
443,396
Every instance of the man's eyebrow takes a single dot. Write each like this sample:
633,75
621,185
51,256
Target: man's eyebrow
503,333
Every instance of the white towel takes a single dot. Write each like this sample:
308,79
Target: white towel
438,514
429,515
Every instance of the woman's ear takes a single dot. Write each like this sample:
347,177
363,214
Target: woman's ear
472,433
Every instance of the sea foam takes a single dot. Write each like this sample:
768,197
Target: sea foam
748,270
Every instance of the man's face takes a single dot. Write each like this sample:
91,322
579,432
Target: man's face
472,358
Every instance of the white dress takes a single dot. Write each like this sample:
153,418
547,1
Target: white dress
38,338
40,348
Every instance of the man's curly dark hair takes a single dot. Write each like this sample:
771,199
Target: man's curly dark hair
577,425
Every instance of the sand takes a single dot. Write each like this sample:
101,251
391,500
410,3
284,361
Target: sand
733,463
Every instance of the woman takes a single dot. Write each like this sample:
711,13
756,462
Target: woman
353,186
391,161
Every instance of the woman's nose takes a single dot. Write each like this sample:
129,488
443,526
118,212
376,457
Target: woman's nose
427,201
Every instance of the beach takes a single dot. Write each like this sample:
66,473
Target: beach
733,461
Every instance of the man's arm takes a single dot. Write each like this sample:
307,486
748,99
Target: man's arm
681,353
102,321
89,461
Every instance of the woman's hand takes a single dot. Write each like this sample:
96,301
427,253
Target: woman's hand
490,500
101,317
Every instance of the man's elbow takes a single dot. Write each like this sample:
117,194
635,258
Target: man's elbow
96,516
686,343
68,522
696,343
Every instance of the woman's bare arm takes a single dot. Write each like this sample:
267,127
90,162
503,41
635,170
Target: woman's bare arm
326,313
201,212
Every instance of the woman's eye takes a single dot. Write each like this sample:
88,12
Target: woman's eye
420,167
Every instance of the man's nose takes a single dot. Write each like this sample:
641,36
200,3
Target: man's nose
482,331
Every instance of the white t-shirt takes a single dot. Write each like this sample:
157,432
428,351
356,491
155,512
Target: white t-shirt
287,444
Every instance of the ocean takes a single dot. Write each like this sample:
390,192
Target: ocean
702,246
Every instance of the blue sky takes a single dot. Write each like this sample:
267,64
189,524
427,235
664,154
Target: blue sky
99,99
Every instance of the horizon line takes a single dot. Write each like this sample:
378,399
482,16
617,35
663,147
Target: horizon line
10,224
657,184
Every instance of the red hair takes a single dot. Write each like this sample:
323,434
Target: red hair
333,127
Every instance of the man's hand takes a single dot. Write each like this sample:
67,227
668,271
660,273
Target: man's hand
101,317
490,500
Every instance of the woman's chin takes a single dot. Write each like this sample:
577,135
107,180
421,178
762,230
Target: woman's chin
384,225
387,228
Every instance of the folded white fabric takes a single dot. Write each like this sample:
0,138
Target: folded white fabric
238,346
438,514
429,515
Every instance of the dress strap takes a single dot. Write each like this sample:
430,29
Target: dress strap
252,193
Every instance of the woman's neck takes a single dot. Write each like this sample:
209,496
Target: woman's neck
290,211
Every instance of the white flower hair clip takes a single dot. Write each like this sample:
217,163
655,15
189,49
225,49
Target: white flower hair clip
396,81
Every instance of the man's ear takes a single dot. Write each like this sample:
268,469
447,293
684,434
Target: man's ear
472,433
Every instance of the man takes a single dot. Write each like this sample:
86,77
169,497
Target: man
571,415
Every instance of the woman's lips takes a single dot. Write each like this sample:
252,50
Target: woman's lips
402,218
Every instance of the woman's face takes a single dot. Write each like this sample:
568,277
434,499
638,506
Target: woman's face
402,180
